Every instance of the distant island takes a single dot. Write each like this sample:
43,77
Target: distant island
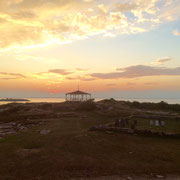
12,99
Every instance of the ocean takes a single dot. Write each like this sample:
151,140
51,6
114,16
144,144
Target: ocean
57,100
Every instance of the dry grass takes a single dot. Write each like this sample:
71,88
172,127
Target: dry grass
69,150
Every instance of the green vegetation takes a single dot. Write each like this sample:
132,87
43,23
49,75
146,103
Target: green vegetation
171,126
87,106
154,106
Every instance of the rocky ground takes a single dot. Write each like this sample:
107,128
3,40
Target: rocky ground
52,141
16,117
133,177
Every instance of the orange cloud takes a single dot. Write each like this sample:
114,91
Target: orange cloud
162,60
29,23
10,76
60,71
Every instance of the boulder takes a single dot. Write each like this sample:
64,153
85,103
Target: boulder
45,131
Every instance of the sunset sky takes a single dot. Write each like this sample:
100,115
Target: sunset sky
113,48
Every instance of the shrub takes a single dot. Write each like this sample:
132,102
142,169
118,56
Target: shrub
87,106
14,109
45,106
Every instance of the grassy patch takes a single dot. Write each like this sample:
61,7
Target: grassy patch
171,126
69,150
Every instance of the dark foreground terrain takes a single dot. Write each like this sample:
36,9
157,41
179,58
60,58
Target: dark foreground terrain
52,141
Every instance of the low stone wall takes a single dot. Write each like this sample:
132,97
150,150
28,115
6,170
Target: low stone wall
107,128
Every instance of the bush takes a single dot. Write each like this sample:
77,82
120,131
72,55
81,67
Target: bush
14,109
45,106
87,106
136,104
154,106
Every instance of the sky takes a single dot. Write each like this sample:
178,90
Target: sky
110,48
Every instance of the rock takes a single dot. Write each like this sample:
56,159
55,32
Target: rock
109,132
44,132
27,152
160,176
110,108
22,128
10,132
129,178
19,125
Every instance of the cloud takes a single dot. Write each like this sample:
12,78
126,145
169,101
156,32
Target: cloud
6,79
81,78
125,7
150,83
87,79
111,84
21,57
55,75
29,23
131,84
59,74
11,76
176,33
162,60
21,35
81,69
60,71
138,71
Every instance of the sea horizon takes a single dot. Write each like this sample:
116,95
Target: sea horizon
62,99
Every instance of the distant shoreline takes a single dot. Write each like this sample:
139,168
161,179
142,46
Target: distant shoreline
11,99
61,99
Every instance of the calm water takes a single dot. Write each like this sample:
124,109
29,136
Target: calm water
56,100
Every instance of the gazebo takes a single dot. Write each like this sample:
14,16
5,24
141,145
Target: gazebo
78,96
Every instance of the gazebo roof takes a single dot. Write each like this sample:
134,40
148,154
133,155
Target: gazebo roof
78,92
